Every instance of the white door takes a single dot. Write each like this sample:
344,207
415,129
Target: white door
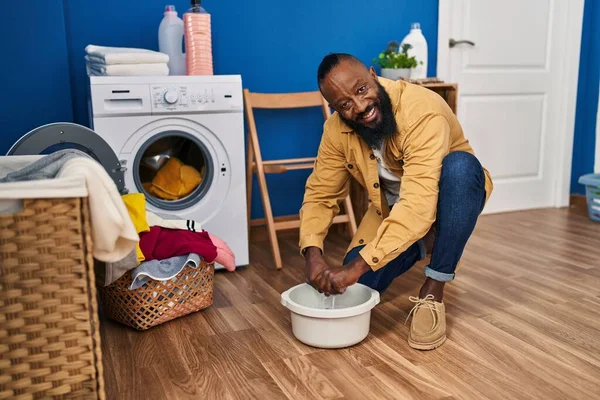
517,85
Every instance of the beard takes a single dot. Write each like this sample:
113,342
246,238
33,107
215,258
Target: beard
386,128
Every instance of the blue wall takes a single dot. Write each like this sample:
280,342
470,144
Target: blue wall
276,48
34,72
587,96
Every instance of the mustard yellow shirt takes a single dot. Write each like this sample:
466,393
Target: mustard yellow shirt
428,130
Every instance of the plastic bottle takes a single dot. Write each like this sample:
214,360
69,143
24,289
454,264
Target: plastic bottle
170,40
198,41
419,50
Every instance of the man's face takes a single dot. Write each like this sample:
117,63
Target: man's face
363,104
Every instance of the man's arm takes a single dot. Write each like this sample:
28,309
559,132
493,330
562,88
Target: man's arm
425,145
326,187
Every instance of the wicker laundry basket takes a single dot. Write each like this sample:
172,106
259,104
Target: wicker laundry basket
157,302
49,329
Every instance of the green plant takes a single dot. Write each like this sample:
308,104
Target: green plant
392,58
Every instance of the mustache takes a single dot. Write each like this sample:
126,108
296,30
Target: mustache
367,110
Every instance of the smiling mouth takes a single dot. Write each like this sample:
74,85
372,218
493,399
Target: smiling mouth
369,116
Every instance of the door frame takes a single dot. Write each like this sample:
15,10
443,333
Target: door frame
568,68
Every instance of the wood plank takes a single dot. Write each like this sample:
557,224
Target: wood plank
312,378
289,383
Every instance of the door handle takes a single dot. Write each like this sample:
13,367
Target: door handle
453,42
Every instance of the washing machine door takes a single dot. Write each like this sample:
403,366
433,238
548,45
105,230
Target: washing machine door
53,137
180,165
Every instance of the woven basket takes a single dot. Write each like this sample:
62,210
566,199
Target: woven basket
49,329
158,302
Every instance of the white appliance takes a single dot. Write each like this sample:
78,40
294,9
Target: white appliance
199,116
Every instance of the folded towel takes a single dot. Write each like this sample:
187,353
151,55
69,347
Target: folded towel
161,270
127,69
113,233
125,55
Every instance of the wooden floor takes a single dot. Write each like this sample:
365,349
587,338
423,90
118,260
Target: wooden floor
523,323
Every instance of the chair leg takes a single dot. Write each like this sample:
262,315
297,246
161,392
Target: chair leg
262,183
249,175
350,212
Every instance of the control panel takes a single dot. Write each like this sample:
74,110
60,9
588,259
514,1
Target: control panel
176,98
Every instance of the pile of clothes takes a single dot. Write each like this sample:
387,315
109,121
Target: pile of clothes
124,61
165,247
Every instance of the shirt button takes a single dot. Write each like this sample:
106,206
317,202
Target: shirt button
375,260
361,241
376,185
372,156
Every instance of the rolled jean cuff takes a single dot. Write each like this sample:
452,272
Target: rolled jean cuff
438,276
422,250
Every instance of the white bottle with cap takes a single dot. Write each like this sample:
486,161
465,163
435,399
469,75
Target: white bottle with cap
419,50
170,40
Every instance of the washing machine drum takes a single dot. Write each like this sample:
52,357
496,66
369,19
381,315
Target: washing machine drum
173,169
53,137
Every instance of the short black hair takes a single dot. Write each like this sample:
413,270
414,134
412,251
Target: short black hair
330,61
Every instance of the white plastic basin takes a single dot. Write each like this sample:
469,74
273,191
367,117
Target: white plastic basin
345,325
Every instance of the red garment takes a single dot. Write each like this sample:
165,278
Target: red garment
162,243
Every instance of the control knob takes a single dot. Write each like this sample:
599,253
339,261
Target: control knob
171,96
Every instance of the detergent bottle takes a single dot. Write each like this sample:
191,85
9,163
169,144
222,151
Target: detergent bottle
170,40
198,41
419,50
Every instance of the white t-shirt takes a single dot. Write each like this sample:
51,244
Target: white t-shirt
390,183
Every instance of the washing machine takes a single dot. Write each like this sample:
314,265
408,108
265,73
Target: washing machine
141,123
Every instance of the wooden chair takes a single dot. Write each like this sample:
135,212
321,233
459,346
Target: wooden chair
257,165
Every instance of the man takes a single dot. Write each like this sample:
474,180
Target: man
406,147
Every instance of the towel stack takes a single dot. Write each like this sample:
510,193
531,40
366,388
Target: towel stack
123,61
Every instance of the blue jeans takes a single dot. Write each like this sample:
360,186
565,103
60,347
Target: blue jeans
460,201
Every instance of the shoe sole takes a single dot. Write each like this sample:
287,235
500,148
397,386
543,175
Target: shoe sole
427,346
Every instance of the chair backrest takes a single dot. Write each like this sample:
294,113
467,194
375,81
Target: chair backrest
286,100
254,100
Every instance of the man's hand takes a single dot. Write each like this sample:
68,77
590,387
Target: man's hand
314,267
336,280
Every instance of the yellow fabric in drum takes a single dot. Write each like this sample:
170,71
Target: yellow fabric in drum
175,180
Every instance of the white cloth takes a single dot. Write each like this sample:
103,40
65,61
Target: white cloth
125,55
390,183
113,233
185,224
127,69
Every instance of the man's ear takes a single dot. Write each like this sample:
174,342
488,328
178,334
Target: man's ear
372,72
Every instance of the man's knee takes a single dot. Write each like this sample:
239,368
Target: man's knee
460,166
